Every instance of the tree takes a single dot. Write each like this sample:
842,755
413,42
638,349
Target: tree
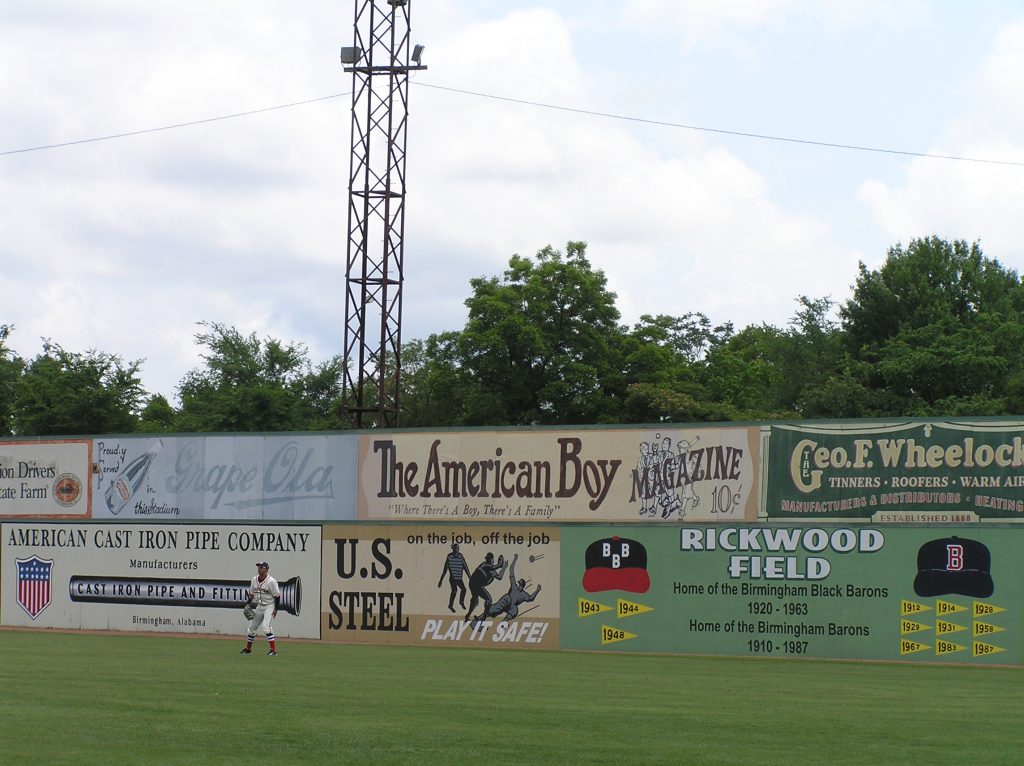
939,326
748,374
157,416
541,343
249,384
63,393
10,371
436,391
664,362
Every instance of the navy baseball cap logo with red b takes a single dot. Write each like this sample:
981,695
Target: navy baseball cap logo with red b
616,563
954,565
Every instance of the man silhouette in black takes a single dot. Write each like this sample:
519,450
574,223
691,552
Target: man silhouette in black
455,565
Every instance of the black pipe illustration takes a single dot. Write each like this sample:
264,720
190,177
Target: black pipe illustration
162,591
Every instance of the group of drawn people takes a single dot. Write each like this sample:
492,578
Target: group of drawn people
657,468
489,570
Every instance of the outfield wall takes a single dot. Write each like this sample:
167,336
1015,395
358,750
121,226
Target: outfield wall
881,472
926,593
853,539
543,475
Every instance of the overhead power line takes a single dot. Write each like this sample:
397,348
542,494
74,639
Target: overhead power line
172,127
721,131
541,105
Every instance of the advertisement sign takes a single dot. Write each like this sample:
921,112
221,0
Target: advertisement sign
939,472
558,475
932,594
45,479
155,578
441,585
273,477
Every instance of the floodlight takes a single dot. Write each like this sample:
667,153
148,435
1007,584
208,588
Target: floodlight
351,55
417,54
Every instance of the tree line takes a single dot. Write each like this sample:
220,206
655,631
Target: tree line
936,331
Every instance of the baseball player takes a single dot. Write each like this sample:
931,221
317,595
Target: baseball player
264,595
517,594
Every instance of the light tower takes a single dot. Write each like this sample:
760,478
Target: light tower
380,60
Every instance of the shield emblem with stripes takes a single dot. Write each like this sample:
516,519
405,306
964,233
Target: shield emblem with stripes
34,584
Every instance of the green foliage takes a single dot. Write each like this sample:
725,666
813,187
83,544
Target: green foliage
937,330
10,371
941,327
157,416
62,393
930,282
664,362
651,403
539,347
748,371
248,384
434,386
541,339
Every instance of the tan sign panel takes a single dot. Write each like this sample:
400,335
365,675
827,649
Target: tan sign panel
656,475
45,479
441,585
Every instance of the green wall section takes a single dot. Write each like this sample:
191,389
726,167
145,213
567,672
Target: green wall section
805,591
930,472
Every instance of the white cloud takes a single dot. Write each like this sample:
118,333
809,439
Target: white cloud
738,25
969,200
124,245
677,224
700,23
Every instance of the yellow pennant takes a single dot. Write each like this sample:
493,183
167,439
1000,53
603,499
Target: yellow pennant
984,629
611,635
983,650
912,607
984,610
948,607
943,628
947,647
588,607
629,608
908,626
910,647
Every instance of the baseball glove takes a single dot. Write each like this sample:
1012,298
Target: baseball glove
249,612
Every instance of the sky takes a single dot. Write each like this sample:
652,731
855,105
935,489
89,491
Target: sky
125,245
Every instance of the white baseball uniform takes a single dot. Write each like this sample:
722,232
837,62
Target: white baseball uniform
264,595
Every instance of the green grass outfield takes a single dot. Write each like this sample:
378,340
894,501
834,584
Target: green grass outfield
70,698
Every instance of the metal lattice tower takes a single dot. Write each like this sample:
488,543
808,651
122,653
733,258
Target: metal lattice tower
380,64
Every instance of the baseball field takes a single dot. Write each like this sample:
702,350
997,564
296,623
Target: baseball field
69,698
